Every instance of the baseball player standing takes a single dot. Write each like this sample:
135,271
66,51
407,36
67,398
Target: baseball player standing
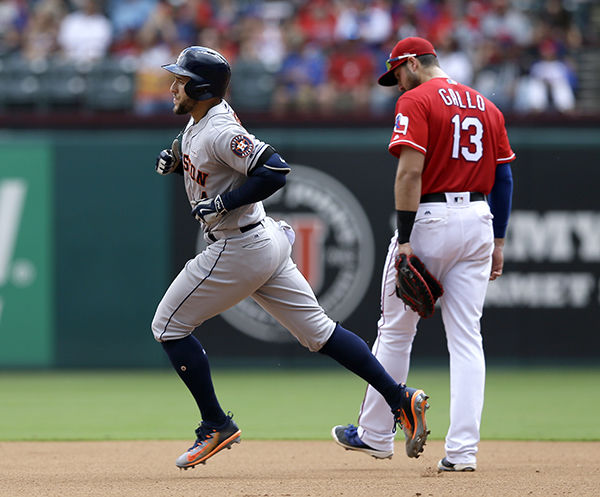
227,173
452,151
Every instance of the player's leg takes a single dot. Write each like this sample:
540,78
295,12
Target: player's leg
465,286
217,430
408,405
289,299
222,275
461,313
201,290
177,315
395,332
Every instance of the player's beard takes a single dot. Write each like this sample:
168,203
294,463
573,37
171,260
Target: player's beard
412,80
184,107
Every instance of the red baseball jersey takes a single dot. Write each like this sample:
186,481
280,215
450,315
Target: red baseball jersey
461,133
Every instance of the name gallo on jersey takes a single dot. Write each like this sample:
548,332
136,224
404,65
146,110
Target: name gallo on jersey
453,97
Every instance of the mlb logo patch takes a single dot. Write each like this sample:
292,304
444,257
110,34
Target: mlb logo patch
241,146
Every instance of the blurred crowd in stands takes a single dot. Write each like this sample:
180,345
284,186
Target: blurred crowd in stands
318,57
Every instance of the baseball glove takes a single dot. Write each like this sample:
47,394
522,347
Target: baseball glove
416,286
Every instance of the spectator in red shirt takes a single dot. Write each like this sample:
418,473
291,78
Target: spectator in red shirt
351,71
316,20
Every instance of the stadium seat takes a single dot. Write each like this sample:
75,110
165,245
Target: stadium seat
64,84
110,85
21,83
252,86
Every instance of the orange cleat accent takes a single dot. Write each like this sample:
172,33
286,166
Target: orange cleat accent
209,442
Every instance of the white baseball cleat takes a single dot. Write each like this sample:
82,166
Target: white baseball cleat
445,465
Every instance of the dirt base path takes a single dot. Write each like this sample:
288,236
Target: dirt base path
293,469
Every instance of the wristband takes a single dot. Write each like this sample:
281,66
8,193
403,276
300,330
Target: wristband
404,222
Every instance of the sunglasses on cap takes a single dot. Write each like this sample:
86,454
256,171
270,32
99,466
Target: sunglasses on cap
389,62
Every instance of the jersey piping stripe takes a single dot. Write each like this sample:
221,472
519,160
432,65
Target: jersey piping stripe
506,159
388,268
409,143
194,289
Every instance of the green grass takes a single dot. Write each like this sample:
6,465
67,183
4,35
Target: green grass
521,404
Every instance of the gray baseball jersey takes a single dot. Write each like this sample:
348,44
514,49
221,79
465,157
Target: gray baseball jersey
241,259
217,155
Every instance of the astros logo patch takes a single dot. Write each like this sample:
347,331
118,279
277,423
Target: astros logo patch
241,146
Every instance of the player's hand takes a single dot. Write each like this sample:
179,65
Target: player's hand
405,248
166,162
497,259
209,210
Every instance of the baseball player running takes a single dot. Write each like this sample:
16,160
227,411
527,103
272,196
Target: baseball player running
452,151
227,173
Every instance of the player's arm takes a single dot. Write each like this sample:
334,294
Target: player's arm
267,176
500,200
264,180
407,194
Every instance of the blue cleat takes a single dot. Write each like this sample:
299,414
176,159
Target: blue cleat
347,437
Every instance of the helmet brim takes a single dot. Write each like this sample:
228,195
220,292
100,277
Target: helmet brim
180,71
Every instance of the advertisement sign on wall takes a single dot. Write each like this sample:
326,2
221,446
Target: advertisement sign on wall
26,316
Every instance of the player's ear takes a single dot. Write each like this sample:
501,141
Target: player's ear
412,63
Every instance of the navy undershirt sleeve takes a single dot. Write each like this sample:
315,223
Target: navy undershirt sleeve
500,199
263,181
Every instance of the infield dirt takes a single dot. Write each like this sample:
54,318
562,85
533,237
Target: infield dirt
293,468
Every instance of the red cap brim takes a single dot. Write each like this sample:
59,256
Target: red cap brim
388,79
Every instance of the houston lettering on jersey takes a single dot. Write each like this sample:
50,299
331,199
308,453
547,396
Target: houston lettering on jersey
197,175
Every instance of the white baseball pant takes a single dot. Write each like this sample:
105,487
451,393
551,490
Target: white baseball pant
254,264
455,241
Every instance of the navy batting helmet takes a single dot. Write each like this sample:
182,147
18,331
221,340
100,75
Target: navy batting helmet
208,70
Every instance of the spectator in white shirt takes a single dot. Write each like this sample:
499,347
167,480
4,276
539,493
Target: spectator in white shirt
548,86
85,35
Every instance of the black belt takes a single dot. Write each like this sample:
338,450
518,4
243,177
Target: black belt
243,229
249,227
441,197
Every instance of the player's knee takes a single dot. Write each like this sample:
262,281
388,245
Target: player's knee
160,329
165,329
157,329
318,337
162,334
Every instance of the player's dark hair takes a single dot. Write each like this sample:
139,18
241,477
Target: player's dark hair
428,60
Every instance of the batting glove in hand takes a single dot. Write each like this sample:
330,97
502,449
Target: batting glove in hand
209,210
166,162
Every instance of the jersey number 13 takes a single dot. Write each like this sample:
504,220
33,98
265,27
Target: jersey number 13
474,128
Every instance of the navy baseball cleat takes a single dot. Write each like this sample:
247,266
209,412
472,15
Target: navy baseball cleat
209,441
411,417
445,465
347,437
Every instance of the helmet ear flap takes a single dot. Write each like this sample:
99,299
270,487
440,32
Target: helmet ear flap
195,90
